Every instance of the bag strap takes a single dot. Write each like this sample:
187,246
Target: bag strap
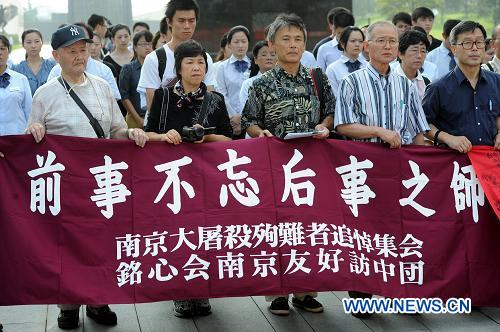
490,66
204,107
317,77
161,54
93,122
162,124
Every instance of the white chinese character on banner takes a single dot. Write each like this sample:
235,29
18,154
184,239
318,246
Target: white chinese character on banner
154,242
156,272
264,263
294,188
172,169
419,181
196,268
129,273
295,265
384,269
183,239
233,265
342,236
266,233
363,241
46,189
385,245
359,264
129,244
410,246
238,236
474,193
210,237
411,272
111,191
325,257
238,189
356,192
291,233
319,234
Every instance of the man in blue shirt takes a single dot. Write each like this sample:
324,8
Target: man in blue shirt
463,108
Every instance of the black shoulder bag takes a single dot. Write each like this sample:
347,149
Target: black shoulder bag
93,122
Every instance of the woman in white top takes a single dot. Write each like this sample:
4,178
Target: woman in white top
231,74
351,43
263,59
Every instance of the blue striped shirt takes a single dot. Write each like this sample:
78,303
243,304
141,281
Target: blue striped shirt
389,101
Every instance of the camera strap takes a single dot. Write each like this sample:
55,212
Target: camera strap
93,122
204,107
162,123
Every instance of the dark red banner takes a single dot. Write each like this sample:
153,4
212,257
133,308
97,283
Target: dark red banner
104,221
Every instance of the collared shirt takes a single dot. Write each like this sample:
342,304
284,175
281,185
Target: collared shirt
495,63
40,78
95,68
319,44
229,82
389,101
308,60
428,69
129,78
440,57
245,87
452,105
283,103
150,78
418,81
15,104
328,53
54,108
337,70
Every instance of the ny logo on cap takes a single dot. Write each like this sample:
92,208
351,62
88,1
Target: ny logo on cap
74,31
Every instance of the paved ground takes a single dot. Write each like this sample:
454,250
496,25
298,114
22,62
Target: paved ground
250,314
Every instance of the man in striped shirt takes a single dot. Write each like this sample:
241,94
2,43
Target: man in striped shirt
377,105
374,103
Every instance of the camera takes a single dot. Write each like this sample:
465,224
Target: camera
193,134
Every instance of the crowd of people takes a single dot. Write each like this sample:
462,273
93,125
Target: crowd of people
391,83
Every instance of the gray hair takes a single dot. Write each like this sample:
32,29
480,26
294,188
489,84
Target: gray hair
369,30
465,26
286,21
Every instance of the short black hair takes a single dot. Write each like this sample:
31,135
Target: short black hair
344,36
26,32
175,5
148,36
238,28
95,20
421,12
117,28
140,24
343,20
87,28
334,11
412,37
448,25
189,48
5,41
465,26
401,17
417,28
164,26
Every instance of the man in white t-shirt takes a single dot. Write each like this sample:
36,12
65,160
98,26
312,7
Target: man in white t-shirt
182,16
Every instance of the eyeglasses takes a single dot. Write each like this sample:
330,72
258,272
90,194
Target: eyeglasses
383,42
144,44
467,45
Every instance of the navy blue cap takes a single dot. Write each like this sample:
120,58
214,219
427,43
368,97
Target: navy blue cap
68,35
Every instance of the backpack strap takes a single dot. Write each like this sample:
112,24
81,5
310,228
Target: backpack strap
162,123
317,78
161,54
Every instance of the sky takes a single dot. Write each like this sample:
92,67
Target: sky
59,6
